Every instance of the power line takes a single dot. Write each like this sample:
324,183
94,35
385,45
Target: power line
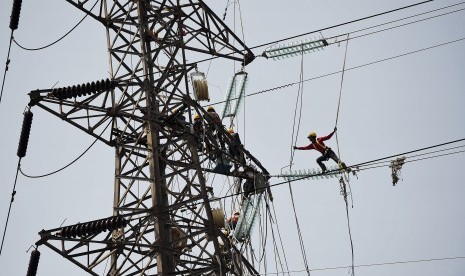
373,264
342,24
59,39
328,28
348,69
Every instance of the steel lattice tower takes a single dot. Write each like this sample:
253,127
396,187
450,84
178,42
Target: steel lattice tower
144,111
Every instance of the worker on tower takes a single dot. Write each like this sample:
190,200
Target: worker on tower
212,112
319,145
199,131
235,147
232,221
215,128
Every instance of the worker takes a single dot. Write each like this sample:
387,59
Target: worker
198,131
215,128
235,147
327,152
212,112
232,221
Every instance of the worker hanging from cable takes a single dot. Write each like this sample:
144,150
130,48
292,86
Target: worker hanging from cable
319,145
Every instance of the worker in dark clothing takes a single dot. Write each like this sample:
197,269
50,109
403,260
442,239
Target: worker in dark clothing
215,128
234,148
199,132
319,145
212,112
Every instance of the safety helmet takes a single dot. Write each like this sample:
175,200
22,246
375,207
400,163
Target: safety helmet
210,108
196,116
231,130
312,134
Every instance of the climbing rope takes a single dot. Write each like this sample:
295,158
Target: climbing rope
279,236
291,161
341,180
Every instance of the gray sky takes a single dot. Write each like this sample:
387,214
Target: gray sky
386,108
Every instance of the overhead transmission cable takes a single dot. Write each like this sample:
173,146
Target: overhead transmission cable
372,265
405,24
21,152
349,69
328,28
342,24
14,21
59,39
194,203
70,163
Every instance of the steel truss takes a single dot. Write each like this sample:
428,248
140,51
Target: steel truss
145,113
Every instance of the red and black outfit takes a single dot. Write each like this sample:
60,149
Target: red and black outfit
326,152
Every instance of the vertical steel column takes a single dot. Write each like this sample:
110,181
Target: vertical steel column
162,227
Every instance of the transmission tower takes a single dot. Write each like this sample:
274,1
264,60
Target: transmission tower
145,110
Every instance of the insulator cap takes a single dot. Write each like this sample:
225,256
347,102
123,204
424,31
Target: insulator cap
33,263
14,18
25,131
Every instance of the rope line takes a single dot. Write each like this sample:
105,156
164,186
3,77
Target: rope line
59,39
293,141
340,158
279,235
342,81
11,203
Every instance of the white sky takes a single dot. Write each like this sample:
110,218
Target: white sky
390,107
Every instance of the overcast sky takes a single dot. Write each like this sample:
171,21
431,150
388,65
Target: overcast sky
389,107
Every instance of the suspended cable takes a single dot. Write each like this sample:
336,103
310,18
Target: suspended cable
6,66
340,88
13,193
348,69
413,16
59,39
279,234
194,203
344,194
373,264
293,141
395,27
343,187
69,164
328,28
342,24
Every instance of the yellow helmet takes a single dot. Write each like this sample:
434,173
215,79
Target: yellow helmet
231,130
210,108
196,116
312,134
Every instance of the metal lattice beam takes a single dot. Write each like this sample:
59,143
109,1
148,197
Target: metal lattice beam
160,187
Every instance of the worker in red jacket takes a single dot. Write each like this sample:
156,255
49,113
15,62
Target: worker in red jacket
319,145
